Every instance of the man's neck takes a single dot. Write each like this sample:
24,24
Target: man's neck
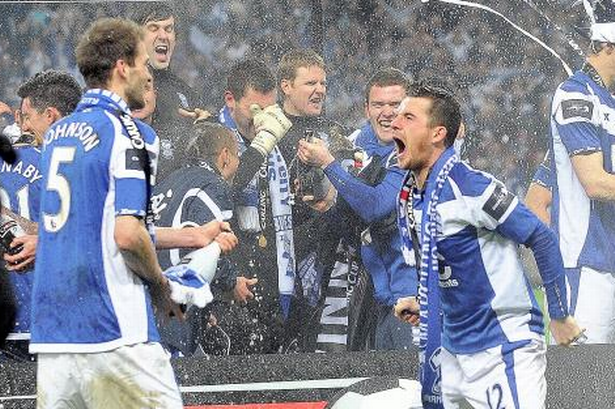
595,65
420,175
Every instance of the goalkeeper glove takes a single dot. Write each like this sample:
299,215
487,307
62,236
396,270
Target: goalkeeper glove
271,126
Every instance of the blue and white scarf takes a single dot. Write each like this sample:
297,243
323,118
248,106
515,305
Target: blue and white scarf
248,214
429,297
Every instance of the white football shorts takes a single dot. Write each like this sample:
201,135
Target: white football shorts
136,376
497,378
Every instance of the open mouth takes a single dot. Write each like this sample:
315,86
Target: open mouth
399,145
385,124
161,50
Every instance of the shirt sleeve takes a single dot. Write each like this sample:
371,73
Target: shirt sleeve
543,175
576,118
382,199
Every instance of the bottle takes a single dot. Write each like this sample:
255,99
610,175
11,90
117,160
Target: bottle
203,261
9,230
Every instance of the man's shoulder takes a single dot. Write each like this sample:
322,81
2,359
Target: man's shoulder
470,182
193,177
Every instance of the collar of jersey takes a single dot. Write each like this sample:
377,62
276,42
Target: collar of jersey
105,99
593,74
434,171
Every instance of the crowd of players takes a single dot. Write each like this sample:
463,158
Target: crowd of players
310,204
493,66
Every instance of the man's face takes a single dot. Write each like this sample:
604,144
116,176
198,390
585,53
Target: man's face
413,134
229,172
139,79
305,95
240,109
34,122
381,108
145,113
160,42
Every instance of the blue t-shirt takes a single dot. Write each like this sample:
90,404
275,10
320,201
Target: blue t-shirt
20,192
85,299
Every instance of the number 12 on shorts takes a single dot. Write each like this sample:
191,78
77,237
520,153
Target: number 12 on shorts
494,397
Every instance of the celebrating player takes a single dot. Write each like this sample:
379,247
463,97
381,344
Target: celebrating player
469,226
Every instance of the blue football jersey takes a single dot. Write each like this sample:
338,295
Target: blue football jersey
486,298
582,122
20,192
85,299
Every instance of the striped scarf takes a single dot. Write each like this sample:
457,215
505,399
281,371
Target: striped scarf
428,273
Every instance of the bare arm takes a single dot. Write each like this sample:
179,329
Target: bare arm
597,183
193,237
538,200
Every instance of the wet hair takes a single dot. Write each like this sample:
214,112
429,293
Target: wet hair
295,59
445,109
145,12
52,88
249,73
387,77
207,141
104,43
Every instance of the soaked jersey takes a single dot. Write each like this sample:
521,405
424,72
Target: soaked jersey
190,197
85,298
19,192
582,122
485,296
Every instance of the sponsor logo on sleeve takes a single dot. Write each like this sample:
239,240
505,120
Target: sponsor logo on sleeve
133,159
577,108
499,201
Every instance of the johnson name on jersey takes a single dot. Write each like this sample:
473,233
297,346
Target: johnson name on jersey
85,299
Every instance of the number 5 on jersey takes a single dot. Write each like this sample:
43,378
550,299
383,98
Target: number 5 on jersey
57,182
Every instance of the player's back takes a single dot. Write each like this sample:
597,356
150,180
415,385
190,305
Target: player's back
19,192
20,187
85,298
190,196
486,297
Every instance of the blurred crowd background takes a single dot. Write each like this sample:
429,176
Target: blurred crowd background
505,81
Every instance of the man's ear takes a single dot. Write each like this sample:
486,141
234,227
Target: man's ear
224,157
52,115
286,85
121,68
440,133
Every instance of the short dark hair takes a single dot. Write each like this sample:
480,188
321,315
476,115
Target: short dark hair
51,88
145,12
295,59
249,73
445,109
387,77
207,141
106,41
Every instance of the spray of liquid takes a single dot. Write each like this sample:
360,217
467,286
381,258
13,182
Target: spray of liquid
553,24
515,26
